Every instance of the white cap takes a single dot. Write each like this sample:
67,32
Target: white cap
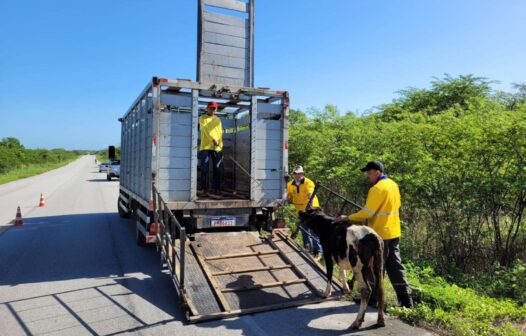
298,170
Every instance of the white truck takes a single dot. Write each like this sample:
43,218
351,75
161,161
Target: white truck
211,244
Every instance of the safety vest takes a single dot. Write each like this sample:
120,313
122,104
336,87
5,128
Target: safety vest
382,209
299,194
211,128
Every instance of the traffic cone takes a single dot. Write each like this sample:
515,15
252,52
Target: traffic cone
18,220
42,201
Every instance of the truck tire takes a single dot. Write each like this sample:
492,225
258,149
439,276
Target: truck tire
139,237
108,177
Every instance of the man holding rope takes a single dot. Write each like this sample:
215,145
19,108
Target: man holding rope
382,212
299,192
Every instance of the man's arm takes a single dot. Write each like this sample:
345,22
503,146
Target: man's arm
372,204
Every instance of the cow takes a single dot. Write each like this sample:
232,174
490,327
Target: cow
355,247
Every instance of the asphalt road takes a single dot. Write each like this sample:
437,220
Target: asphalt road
73,268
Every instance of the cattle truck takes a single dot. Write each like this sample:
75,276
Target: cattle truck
211,244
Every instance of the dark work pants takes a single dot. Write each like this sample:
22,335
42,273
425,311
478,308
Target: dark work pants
396,271
205,156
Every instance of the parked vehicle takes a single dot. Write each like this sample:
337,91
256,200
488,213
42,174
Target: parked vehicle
103,167
114,170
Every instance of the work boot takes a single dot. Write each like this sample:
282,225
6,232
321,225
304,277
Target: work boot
406,301
316,256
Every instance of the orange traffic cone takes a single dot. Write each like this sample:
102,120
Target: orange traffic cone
18,220
42,201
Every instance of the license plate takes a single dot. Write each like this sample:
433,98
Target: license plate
223,221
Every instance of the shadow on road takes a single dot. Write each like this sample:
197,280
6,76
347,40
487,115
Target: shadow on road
82,271
320,319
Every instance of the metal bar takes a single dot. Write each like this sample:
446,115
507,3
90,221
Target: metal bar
241,255
263,285
291,303
337,195
255,269
174,259
251,17
309,205
253,123
194,149
182,244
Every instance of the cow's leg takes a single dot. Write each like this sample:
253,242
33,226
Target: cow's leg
365,292
329,265
343,279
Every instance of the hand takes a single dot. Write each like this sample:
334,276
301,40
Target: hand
341,218
216,143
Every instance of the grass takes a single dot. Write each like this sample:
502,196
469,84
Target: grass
31,170
452,310
102,157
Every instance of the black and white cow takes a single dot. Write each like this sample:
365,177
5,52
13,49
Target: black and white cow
355,247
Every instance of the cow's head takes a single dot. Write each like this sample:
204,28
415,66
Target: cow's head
315,219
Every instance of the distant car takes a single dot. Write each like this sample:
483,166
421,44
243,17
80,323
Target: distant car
103,167
114,170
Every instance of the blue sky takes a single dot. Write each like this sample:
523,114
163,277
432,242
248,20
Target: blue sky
70,69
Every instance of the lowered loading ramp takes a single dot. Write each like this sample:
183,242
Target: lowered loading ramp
234,273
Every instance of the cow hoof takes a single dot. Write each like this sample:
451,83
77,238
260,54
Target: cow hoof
356,325
327,293
380,323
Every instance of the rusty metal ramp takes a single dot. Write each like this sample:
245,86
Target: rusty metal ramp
234,273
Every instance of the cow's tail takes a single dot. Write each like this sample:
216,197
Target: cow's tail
378,270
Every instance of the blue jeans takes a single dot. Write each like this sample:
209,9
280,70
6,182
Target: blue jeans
310,240
217,158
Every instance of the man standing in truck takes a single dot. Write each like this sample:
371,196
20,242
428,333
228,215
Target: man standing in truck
211,147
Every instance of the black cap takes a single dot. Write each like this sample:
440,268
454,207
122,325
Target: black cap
373,165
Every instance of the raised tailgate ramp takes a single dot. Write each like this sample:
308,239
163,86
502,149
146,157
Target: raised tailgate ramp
234,273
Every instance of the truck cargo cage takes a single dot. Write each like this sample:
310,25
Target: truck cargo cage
160,143
225,274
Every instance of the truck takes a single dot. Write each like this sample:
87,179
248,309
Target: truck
214,246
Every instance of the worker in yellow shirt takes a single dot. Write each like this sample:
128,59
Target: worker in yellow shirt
299,192
382,212
211,147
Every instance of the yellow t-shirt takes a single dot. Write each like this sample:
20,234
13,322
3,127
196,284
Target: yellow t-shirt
382,209
211,128
300,194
